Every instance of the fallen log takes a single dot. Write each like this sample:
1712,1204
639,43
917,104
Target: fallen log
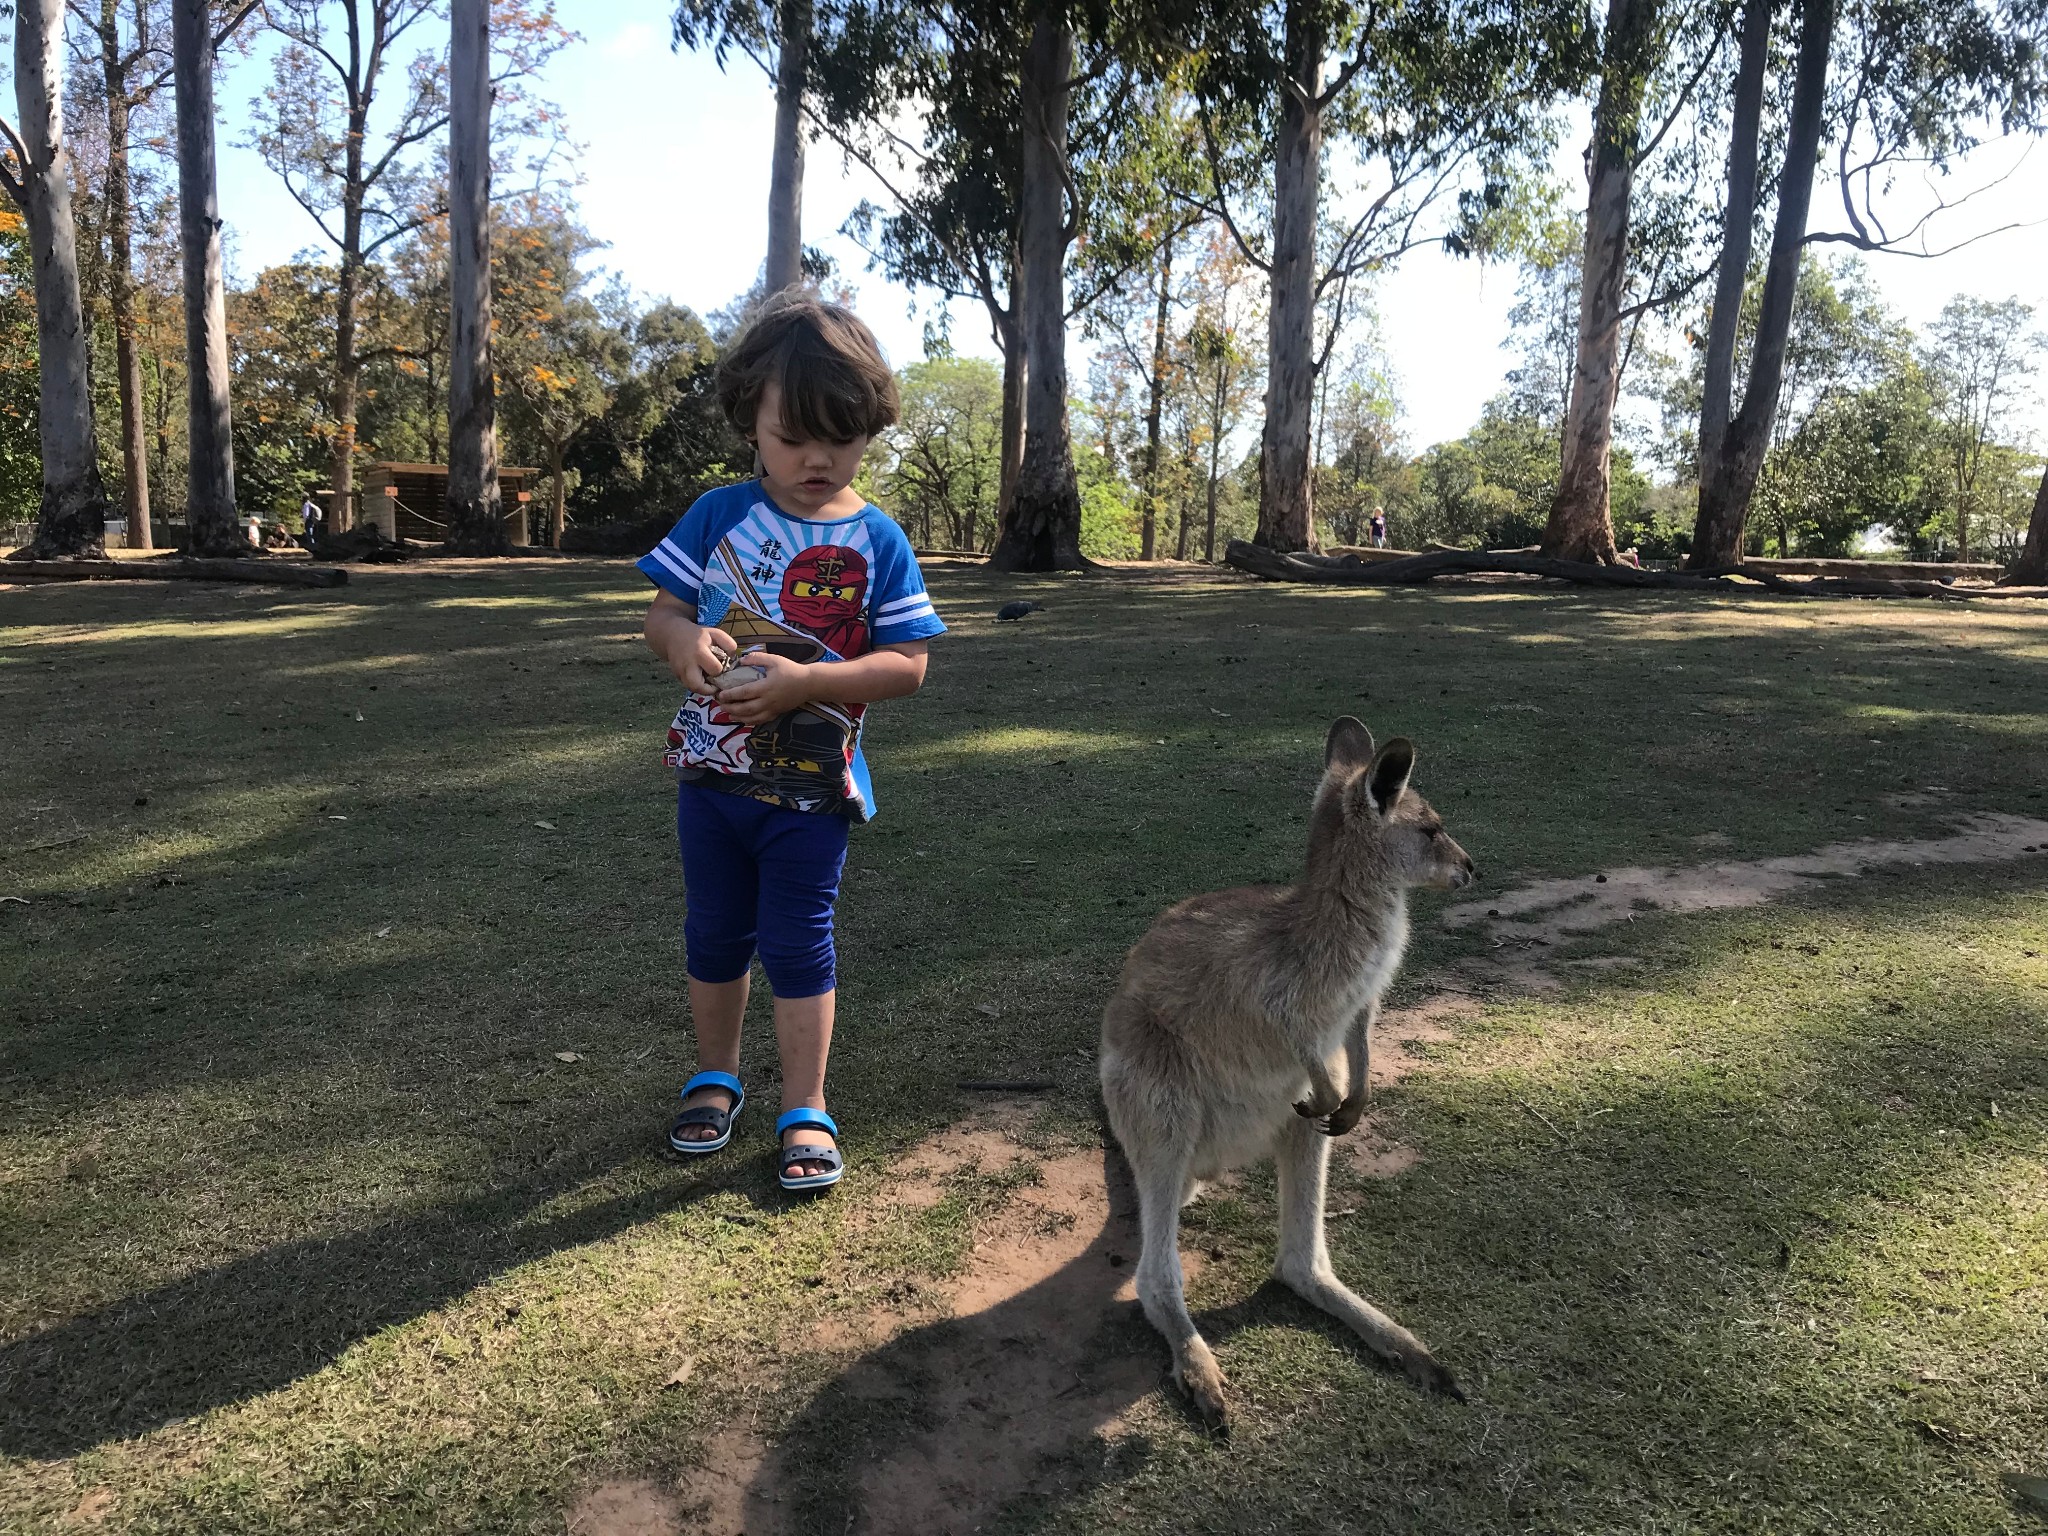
275,573
1344,570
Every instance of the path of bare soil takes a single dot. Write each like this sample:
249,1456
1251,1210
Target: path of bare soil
1555,911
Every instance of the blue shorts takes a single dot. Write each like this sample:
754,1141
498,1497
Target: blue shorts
759,877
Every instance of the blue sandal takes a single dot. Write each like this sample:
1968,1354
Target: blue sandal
835,1165
720,1120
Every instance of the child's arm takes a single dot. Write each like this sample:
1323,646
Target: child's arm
886,672
690,649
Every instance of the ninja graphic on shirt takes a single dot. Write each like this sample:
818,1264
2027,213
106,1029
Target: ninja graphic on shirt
822,592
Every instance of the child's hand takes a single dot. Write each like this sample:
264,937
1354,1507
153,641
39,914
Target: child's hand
786,685
695,656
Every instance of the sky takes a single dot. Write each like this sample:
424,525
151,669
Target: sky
674,162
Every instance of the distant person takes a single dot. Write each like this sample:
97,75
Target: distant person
1379,527
309,521
255,531
787,606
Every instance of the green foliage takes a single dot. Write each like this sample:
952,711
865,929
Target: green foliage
663,441
941,464
557,360
21,459
282,332
1111,510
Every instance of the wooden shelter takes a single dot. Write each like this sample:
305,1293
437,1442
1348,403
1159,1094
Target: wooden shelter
410,501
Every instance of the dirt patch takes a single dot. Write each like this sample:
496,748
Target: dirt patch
1555,911
1400,1034
1370,1152
982,1387
92,1509
631,1508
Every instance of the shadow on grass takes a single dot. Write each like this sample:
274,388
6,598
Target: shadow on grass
259,1322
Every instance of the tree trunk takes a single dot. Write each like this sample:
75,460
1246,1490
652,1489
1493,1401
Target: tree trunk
2031,569
210,499
71,520
1724,321
1286,488
1043,530
558,514
1148,542
1581,523
1724,501
1215,452
476,508
121,261
786,173
1180,542
347,292
1012,447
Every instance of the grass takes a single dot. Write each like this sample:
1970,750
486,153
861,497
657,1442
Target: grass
306,1225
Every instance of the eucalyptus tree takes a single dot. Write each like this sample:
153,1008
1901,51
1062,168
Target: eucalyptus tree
1901,102
71,516
122,53
476,522
1639,35
210,514
776,34
1039,128
2031,569
366,178
1422,97
1979,357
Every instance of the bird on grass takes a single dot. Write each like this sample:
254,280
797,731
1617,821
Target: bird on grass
1019,609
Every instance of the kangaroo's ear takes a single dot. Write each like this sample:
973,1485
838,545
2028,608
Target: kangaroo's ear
1349,747
1388,775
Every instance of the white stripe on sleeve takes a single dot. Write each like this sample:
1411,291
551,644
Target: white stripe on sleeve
676,564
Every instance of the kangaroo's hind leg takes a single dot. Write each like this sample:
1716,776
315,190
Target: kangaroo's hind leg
1162,1176
1302,1159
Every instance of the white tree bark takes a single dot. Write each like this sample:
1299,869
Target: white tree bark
1042,531
476,522
210,501
1581,525
1286,479
72,518
786,172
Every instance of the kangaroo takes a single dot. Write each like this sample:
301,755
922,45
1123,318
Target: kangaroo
1219,1043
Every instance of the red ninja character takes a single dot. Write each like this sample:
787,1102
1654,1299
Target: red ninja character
822,592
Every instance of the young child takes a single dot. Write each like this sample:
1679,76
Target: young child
820,597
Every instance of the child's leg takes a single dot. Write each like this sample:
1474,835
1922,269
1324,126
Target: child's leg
800,858
718,932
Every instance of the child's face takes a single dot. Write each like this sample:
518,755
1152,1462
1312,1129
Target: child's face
802,474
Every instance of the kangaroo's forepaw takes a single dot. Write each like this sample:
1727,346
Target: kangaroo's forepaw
1316,1107
1345,1118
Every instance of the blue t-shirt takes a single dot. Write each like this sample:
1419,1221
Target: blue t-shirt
813,591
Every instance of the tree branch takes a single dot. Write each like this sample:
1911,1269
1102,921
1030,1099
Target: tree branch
1678,107
13,183
1221,207
1671,296
1347,73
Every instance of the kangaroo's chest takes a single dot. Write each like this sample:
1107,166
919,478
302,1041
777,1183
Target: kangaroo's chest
1375,969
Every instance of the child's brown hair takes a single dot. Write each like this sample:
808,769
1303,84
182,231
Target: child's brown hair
826,363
